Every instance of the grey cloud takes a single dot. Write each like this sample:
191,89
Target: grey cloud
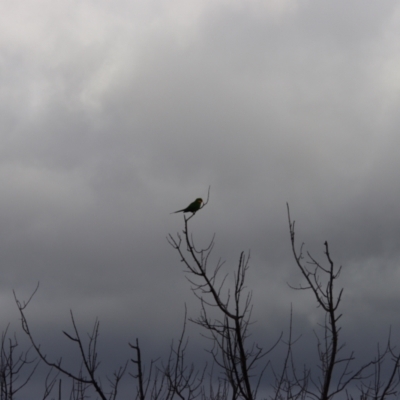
109,126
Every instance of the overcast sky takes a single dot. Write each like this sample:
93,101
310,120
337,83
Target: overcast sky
116,113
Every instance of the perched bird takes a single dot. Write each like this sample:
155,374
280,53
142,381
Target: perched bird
192,207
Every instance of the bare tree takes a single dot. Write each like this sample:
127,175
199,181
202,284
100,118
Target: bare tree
228,332
86,377
385,380
183,380
13,365
320,280
175,378
290,383
238,365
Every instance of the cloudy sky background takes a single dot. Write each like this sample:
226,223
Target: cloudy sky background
116,113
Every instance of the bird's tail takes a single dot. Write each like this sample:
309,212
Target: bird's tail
178,211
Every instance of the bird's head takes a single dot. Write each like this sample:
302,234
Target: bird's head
199,201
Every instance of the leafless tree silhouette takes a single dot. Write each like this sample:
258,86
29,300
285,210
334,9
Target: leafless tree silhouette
229,332
86,376
320,280
238,367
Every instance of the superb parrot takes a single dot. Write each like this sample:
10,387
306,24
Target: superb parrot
192,207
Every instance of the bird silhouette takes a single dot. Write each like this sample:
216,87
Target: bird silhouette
192,207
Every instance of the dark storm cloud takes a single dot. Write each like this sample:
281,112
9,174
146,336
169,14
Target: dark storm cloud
113,116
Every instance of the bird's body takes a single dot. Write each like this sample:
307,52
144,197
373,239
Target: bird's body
192,207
